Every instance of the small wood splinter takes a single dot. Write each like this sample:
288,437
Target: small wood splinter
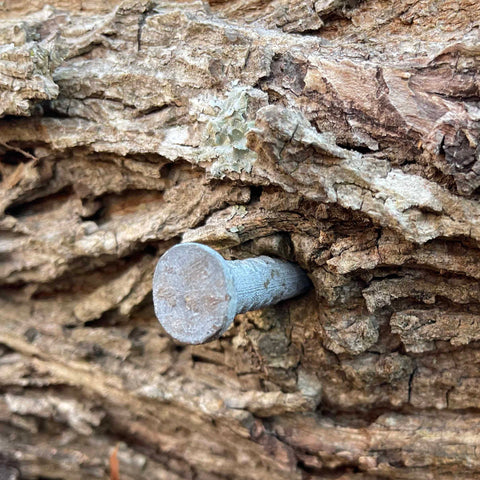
197,293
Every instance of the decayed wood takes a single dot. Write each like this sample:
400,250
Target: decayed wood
340,135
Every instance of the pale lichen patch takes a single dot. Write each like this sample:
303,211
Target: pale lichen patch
225,134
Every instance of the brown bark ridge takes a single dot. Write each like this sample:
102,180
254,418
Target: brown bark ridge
342,135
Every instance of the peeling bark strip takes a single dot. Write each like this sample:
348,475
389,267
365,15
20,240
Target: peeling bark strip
340,135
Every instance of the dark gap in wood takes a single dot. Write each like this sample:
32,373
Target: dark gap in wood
41,204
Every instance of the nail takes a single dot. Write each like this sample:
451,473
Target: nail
197,293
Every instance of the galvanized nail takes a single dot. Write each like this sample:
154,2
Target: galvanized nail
197,293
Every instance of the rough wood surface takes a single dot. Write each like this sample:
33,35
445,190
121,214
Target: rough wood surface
342,135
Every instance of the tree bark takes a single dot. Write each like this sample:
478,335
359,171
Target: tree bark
341,135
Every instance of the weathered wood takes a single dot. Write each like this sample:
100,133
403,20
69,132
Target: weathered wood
339,135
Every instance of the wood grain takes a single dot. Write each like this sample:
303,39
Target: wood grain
340,135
